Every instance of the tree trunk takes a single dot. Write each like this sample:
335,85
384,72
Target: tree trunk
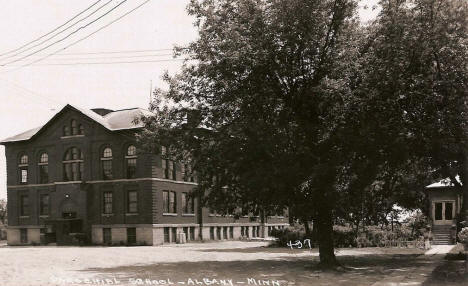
325,237
306,227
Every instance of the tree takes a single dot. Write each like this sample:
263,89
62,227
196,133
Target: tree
295,104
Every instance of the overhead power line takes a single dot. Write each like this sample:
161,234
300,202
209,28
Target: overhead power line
67,36
83,38
58,33
107,63
30,93
37,39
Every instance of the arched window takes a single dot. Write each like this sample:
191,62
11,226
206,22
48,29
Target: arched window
81,131
73,165
74,127
23,169
43,168
106,163
131,160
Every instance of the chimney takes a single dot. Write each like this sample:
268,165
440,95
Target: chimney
102,111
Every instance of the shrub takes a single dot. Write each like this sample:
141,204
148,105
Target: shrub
463,236
344,237
284,236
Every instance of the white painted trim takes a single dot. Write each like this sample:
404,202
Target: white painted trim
162,225
102,181
233,224
121,225
72,136
24,226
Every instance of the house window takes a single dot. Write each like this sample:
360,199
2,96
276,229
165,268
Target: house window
218,232
173,170
174,234
24,235
231,232
187,204
44,205
172,202
131,161
73,165
66,131
107,202
131,235
81,130
169,202
187,173
166,167
166,235
225,232
23,169
106,235
132,202
74,127
166,201
169,166
106,163
192,233
212,233
24,205
43,168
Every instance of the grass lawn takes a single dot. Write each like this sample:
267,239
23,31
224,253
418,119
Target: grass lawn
376,265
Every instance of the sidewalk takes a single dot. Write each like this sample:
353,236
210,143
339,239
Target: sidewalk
432,259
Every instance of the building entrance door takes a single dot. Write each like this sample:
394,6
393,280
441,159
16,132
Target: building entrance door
443,212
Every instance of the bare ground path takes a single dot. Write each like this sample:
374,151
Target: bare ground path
238,263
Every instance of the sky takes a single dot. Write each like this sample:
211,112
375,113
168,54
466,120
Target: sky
32,94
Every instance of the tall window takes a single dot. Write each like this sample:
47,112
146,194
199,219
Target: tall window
173,170
172,202
24,235
74,127
23,169
107,202
106,163
132,202
44,205
187,172
24,205
106,235
66,131
73,165
131,161
187,203
169,166
43,168
169,202
131,235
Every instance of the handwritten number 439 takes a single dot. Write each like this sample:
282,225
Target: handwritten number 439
300,244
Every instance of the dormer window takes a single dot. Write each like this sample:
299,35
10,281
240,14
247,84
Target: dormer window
73,129
131,161
66,131
23,169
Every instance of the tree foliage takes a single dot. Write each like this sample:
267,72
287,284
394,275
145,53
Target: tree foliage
297,104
